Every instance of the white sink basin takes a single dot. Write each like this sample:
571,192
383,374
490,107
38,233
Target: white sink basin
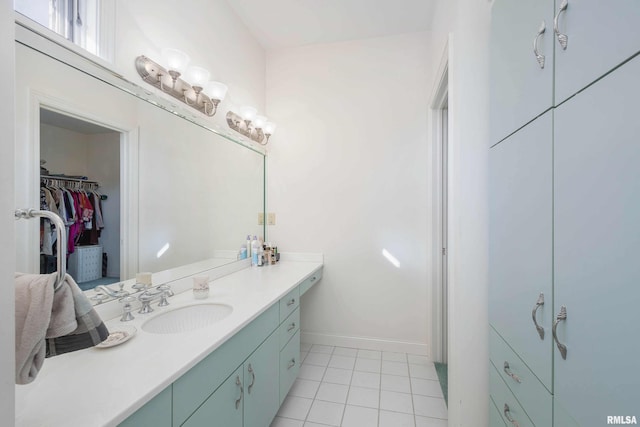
187,318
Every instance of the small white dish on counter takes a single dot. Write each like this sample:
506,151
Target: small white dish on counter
121,335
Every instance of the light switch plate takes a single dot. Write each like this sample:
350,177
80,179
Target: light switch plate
271,218
260,218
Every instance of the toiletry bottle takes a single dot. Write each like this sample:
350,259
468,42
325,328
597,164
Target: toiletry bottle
249,245
260,256
254,251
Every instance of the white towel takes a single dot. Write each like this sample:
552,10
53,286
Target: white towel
34,300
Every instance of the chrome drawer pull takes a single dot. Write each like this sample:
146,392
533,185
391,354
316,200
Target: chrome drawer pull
239,384
561,316
563,39
253,378
291,327
507,414
539,304
291,364
507,370
291,302
539,56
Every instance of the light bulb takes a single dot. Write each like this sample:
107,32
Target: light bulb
216,90
197,76
248,113
175,60
259,122
269,128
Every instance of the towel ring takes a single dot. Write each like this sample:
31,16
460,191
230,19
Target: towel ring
61,242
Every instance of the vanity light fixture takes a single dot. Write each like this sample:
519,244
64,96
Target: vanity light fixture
194,88
251,125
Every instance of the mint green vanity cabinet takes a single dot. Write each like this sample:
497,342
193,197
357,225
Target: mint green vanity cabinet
196,385
243,382
224,408
289,365
156,413
310,281
261,384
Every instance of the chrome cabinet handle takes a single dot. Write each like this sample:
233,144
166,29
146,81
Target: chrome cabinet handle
291,364
539,304
561,316
507,414
239,384
291,327
507,370
253,378
563,39
291,302
539,56
313,279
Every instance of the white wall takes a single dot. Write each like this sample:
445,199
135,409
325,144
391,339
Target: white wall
348,176
465,24
103,161
7,256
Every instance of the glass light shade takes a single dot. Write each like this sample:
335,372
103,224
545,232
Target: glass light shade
196,76
247,113
175,60
259,122
216,90
269,128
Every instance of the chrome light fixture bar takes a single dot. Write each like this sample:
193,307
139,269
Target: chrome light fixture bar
247,123
203,99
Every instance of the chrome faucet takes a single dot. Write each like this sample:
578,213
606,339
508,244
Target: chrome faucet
120,293
147,296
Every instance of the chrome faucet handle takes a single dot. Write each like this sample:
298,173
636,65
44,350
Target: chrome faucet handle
166,289
145,299
126,309
163,299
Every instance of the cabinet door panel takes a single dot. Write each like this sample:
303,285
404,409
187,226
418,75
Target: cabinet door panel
520,89
156,412
262,384
601,35
520,258
596,247
220,409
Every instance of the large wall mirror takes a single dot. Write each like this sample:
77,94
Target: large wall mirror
171,192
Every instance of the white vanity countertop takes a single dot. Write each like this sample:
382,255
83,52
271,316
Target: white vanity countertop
102,387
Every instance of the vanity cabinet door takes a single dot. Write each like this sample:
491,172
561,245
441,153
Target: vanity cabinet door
224,407
261,384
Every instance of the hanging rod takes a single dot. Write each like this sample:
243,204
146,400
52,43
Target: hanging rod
61,242
68,178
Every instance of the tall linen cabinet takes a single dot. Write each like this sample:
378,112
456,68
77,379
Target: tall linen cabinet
564,213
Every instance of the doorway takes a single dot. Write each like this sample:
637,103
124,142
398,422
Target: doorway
80,170
440,150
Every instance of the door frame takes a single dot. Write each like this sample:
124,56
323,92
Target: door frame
129,149
439,294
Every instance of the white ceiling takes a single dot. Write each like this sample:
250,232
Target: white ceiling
288,23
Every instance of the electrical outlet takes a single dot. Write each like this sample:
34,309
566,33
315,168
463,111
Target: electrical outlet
261,218
271,218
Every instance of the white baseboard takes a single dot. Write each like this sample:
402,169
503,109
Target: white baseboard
365,343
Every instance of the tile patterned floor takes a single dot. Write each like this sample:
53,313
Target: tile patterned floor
348,387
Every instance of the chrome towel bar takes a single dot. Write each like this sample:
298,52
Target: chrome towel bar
61,242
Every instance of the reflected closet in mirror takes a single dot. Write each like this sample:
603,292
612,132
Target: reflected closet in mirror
80,181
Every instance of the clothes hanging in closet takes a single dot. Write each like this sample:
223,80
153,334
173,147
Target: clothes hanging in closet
80,210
